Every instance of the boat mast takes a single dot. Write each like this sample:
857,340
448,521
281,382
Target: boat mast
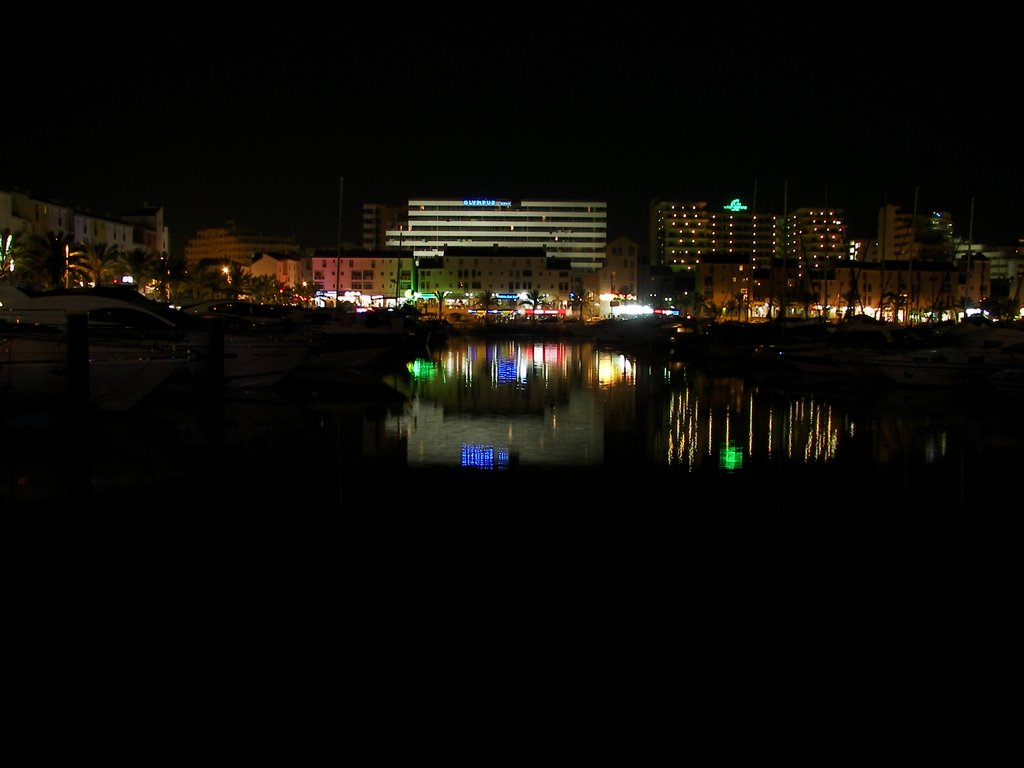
828,265
753,251
970,247
910,259
785,241
337,253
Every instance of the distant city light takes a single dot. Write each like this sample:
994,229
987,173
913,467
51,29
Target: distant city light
629,310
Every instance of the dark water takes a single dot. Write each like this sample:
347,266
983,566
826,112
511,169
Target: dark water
534,425
495,481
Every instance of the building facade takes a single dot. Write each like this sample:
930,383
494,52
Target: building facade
572,230
218,247
460,275
142,228
378,220
618,281
290,269
681,233
365,277
814,236
465,273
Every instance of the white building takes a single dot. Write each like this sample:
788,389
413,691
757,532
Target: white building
142,228
573,230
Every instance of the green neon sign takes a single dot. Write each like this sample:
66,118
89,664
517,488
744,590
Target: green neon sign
735,205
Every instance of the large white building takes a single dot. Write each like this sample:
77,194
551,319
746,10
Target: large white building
573,230
142,228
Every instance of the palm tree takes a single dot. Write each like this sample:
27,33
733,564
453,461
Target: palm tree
485,301
47,258
441,296
210,284
93,263
141,265
533,299
265,289
581,303
302,294
238,280
175,278
737,303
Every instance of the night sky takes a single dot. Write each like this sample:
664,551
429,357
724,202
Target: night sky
261,134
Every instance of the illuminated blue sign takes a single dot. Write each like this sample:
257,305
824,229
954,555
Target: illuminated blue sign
735,205
488,203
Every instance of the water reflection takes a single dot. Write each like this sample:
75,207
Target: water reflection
514,403
654,430
502,405
498,404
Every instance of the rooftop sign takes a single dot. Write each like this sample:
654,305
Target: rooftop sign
735,205
478,203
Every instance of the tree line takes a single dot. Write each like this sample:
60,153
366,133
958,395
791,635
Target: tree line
57,260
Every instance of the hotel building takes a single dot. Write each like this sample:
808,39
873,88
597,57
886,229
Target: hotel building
682,233
730,256
815,236
221,246
572,230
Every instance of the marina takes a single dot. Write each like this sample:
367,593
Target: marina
546,425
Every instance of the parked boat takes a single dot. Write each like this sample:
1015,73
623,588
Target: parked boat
126,353
329,339
956,355
236,356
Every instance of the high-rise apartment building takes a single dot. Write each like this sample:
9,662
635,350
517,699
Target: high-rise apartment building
682,233
378,219
814,236
901,235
